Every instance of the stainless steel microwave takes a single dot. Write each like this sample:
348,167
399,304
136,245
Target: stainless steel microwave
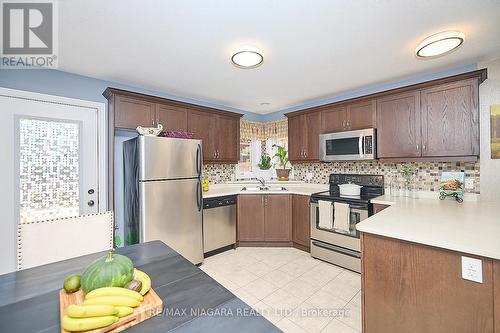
348,146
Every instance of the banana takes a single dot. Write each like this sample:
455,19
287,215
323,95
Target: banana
114,291
112,300
85,311
144,278
124,311
85,324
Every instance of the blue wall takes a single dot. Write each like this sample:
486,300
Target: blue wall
371,90
77,86
65,84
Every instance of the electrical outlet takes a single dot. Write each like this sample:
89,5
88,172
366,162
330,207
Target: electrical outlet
309,176
469,183
472,269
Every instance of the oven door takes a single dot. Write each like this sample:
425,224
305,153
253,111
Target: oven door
351,145
332,236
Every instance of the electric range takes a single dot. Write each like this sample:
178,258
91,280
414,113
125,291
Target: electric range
341,246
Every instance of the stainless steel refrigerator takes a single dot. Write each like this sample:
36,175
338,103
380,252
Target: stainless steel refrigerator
163,197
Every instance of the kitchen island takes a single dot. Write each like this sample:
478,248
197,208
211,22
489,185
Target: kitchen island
412,267
192,300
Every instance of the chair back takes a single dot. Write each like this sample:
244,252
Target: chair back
44,242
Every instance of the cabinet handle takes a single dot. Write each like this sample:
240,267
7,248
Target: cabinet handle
215,154
348,123
153,121
424,147
218,154
418,147
305,153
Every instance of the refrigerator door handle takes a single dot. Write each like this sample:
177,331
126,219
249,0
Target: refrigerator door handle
198,160
199,198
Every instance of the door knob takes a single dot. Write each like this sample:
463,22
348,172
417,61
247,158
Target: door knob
91,203
91,191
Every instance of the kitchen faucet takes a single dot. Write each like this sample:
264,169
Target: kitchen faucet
262,181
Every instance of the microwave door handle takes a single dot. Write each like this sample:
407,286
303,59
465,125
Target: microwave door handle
360,144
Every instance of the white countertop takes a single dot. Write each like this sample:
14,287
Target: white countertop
471,227
294,187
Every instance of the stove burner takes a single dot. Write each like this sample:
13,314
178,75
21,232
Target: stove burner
373,186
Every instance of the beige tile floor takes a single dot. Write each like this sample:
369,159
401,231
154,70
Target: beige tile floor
294,291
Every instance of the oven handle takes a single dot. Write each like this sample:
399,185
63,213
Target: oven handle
354,254
351,205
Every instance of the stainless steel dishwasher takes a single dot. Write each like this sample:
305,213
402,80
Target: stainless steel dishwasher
219,224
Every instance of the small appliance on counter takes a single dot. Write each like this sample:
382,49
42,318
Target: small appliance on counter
334,216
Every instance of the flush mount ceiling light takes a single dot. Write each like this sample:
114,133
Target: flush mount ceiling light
247,59
439,44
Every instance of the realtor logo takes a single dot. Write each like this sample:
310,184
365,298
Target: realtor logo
28,34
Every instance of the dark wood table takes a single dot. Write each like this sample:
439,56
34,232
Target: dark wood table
192,300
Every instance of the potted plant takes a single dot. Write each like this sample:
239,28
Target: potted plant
408,172
265,166
281,171
265,162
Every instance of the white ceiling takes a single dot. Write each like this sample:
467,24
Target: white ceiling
312,48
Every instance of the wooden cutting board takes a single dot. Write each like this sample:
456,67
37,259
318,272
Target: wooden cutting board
152,305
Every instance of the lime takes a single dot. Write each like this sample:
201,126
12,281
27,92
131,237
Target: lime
72,283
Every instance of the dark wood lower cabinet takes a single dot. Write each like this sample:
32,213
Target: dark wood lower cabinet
301,223
265,218
278,226
496,294
412,288
250,215
377,208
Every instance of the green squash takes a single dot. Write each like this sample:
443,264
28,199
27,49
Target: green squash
112,270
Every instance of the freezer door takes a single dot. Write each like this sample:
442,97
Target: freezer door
169,158
171,212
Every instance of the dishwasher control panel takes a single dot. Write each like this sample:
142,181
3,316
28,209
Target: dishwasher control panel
219,201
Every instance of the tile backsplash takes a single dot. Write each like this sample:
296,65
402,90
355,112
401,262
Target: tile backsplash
427,178
219,173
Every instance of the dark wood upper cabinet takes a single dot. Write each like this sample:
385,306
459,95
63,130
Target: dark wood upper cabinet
202,125
228,139
133,112
361,115
303,137
312,131
296,128
278,226
301,224
436,120
398,125
220,135
171,117
348,117
450,119
250,212
333,120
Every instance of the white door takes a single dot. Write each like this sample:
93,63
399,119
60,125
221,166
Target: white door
50,164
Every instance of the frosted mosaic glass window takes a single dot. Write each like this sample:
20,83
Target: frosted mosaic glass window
48,169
